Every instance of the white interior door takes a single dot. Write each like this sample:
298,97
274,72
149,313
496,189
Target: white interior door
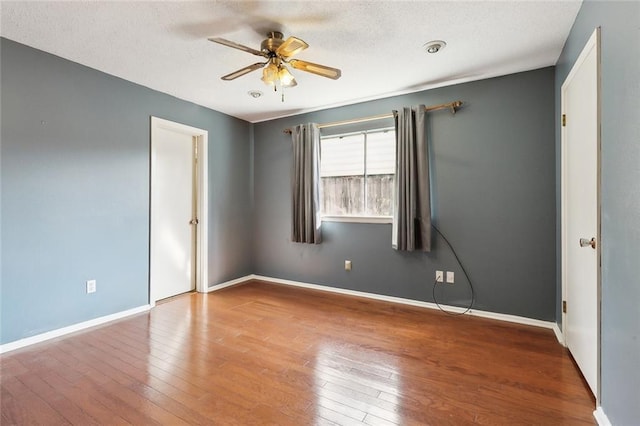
172,261
580,221
178,243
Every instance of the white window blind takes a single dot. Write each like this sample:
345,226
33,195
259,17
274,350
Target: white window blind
357,174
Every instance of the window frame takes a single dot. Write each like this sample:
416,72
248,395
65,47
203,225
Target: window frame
357,219
360,218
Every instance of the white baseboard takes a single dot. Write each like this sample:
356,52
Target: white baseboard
601,417
455,309
11,346
559,334
229,283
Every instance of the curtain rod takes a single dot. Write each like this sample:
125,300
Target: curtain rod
451,105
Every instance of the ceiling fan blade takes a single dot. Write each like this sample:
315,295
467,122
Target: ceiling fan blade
325,71
243,71
291,46
235,45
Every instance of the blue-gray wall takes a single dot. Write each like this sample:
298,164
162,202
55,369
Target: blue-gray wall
620,209
75,191
493,167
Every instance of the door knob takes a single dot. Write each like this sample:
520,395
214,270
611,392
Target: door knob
588,243
193,222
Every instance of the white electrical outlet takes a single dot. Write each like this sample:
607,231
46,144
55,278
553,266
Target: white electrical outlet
450,277
439,276
91,286
347,265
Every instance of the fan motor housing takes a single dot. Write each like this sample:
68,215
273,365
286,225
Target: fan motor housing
272,42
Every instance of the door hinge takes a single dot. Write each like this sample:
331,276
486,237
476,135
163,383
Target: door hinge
564,120
564,306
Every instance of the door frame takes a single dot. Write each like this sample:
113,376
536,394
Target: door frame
202,176
592,43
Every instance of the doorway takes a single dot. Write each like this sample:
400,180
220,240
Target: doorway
178,224
581,244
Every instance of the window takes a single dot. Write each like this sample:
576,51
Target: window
357,172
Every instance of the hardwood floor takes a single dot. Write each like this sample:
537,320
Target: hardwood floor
267,354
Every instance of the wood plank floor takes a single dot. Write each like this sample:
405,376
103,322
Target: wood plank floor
267,354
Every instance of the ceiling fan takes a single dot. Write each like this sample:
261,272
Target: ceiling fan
277,53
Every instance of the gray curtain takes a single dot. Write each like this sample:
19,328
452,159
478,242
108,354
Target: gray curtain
305,182
412,207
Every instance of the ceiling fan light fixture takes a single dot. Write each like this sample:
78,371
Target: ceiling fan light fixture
434,46
274,74
286,78
270,74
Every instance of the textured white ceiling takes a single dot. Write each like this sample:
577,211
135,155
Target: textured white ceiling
377,44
